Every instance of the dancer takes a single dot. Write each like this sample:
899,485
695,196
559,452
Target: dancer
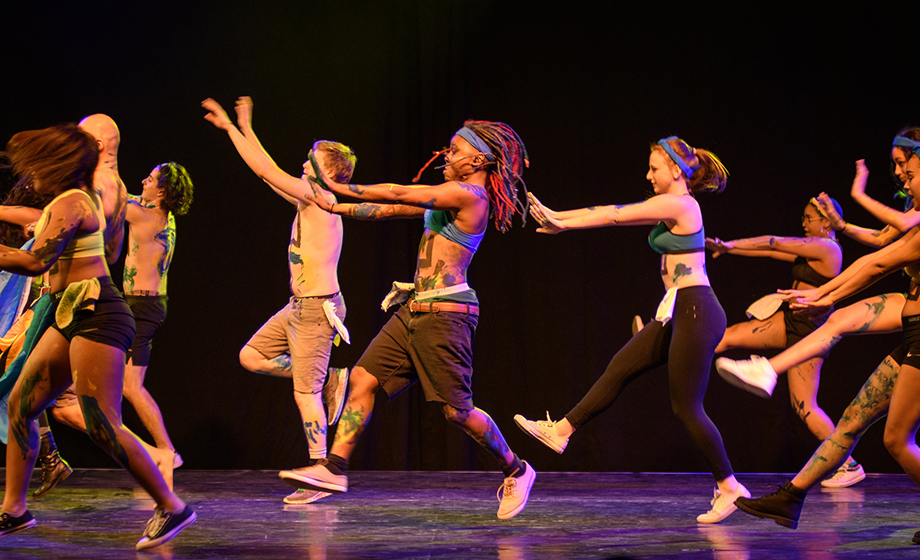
93,328
877,314
817,258
297,341
168,190
429,338
891,389
690,321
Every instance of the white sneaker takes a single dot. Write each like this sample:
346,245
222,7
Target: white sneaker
302,496
723,505
847,475
544,431
316,477
755,375
514,492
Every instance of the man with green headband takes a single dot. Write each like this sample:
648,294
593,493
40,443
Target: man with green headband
296,342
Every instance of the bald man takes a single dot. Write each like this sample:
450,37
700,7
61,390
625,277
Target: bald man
114,196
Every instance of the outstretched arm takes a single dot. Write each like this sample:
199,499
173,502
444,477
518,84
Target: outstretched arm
19,215
719,248
656,209
259,162
365,210
65,218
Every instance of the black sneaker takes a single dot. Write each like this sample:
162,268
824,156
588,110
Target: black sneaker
783,506
54,470
163,526
917,537
10,524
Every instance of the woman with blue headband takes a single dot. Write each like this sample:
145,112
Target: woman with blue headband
689,323
892,388
816,258
429,338
877,314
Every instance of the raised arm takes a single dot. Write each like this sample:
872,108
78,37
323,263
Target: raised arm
259,162
244,107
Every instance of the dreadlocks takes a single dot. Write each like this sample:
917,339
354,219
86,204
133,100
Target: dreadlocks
511,159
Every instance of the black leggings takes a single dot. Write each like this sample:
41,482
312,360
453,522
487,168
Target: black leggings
686,344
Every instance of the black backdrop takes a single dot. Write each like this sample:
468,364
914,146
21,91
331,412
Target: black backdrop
788,101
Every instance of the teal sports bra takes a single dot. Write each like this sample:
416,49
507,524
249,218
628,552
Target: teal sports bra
442,222
666,243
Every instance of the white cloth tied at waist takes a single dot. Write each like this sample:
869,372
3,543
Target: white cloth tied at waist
337,325
78,296
401,291
666,307
765,307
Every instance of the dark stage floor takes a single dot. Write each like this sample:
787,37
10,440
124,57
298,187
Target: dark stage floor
99,514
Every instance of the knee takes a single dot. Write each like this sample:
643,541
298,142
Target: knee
895,443
362,383
454,415
250,358
688,413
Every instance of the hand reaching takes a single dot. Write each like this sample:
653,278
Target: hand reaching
244,112
216,114
859,181
544,216
718,247
827,208
319,197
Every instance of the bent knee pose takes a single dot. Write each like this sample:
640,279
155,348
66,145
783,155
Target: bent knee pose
891,389
878,314
429,339
817,258
91,331
296,342
690,321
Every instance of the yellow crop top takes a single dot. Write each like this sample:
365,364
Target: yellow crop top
80,246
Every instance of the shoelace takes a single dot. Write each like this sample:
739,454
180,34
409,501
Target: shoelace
506,489
155,523
548,423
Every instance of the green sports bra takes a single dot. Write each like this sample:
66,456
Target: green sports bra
666,243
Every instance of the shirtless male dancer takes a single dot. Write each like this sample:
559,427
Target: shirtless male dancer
114,195
297,341
167,192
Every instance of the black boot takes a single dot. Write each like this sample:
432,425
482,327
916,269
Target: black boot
917,537
54,470
783,506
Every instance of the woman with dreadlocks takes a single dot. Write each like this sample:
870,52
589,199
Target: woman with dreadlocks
689,323
483,168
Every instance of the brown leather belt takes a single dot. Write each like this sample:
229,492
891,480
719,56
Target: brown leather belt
438,306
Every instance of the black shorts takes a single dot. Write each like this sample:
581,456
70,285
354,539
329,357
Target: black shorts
799,325
110,322
149,314
908,352
434,348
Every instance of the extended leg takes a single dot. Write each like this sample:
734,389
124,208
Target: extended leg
903,421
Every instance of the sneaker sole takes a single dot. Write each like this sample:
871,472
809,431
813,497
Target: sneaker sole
314,498
740,383
27,525
300,481
143,545
791,523
831,484
524,425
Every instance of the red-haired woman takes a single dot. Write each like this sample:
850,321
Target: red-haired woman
690,321
92,328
